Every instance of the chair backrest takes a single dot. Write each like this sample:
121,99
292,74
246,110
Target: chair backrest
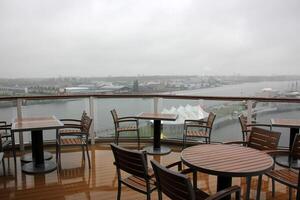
211,119
263,139
5,135
86,122
115,117
130,161
295,152
174,185
243,122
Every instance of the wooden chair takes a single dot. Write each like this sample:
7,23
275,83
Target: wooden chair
74,133
246,127
263,140
130,124
199,128
178,186
7,138
140,178
287,176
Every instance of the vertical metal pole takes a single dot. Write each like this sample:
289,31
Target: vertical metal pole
156,104
249,111
92,114
19,116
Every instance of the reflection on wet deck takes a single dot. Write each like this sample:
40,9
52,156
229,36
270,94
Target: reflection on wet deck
76,181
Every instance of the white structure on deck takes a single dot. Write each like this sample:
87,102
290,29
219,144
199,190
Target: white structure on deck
185,112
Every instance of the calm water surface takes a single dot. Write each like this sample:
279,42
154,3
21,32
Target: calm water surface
103,121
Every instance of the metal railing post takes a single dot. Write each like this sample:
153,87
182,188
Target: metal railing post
19,116
92,114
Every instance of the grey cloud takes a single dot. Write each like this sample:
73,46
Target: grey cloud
130,37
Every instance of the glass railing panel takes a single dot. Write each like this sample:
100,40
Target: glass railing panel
226,126
104,125
7,111
60,108
182,107
266,111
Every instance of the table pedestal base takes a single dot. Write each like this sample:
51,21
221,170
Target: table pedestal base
32,168
28,157
163,150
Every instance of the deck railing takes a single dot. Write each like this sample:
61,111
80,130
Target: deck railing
91,104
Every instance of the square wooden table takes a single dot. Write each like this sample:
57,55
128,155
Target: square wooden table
36,125
157,149
294,125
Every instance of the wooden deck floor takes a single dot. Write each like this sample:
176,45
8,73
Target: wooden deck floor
77,181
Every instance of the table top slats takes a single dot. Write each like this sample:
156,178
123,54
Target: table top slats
36,123
229,160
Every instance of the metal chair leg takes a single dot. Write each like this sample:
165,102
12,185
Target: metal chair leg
273,188
248,186
159,195
195,179
83,155
258,187
119,190
88,155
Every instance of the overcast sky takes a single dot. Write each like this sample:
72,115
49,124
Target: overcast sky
51,38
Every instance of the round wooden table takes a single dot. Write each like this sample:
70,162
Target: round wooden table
227,161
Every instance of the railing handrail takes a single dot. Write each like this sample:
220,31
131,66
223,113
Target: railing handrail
164,96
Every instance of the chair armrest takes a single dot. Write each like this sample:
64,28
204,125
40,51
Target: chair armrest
70,120
236,142
194,120
223,193
71,126
178,163
277,152
2,122
258,124
5,127
129,117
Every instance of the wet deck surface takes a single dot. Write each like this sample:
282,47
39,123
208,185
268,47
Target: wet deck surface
76,181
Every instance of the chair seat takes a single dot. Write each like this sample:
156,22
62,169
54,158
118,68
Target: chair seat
71,141
127,128
197,133
69,131
285,176
200,195
139,183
